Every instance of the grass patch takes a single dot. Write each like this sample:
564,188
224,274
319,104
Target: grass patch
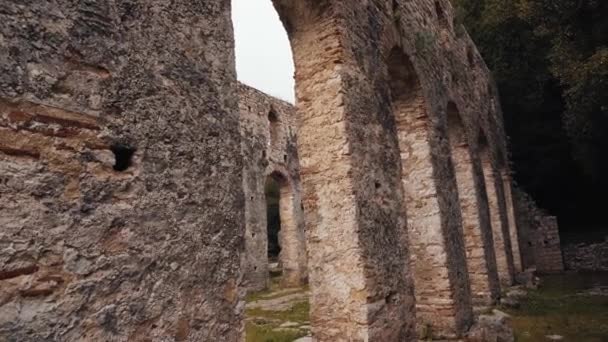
298,313
265,333
556,309
274,286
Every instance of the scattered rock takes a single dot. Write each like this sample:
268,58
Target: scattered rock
595,291
304,339
289,325
495,327
516,292
527,279
509,302
513,297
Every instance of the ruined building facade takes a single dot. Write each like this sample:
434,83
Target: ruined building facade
269,142
132,167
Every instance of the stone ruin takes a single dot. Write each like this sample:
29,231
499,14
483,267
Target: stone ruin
541,247
269,140
133,168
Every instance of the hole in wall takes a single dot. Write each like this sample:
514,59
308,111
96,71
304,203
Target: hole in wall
272,116
377,185
441,16
285,158
123,156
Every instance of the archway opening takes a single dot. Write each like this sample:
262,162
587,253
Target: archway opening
500,230
272,192
479,246
428,228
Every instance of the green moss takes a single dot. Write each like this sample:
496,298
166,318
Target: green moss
556,308
266,333
298,313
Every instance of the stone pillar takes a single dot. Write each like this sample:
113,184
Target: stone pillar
513,229
254,261
291,238
549,258
500,231
354,211
481,260
443,303
122,202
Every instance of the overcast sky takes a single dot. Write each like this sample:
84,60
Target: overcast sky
263,55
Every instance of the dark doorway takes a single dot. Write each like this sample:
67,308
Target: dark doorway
273,198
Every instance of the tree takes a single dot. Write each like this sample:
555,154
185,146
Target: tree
550,61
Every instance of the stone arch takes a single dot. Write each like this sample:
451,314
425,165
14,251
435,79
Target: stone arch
481,261
292,257
500,230
360,289
440,279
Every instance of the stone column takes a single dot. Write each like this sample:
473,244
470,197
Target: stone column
500,232
513,229
354,211
291,238
441,311
481,260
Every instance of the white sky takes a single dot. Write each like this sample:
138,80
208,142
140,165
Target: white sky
263,54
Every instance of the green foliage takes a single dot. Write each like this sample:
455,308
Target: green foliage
550,61
269,333
297,313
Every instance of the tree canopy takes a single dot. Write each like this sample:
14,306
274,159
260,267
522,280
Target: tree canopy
550,61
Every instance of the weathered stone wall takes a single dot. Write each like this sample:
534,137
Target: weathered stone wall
512,222
479,244
500,233
586,256
153,252
269,138
349,146
90,253
538,236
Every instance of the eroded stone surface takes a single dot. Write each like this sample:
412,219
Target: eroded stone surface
144,249
500,230
477,230
512,221
269,150
539,235
123,205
